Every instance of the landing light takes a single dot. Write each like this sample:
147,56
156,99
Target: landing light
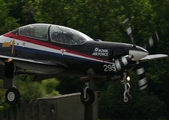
128,78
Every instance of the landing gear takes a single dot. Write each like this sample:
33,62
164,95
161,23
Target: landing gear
87,96
127,97
12,96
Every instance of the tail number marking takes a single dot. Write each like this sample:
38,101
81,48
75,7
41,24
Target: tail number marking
109,67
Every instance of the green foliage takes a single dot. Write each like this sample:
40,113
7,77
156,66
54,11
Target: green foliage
7,22
2,97
32,90
145,104
23,10
101,19
69,85
86,16
50,85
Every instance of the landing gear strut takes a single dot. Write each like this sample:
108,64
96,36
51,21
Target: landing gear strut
127,97
12,95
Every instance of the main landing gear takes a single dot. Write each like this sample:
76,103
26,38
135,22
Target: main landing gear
127,97
12,96
87,96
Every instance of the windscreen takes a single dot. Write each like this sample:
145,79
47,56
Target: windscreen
67,35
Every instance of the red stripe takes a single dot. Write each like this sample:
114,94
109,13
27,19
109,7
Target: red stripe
31,40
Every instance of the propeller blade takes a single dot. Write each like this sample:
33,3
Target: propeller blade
142,78
126,23
153,40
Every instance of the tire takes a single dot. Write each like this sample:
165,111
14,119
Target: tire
128,99
12,96
90,97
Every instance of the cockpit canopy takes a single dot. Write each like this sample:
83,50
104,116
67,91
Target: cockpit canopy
55,33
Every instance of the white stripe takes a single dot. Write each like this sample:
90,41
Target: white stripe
47,49
151,41
157,36
126,20
124,60
143,87
140,71
118,66
142,82
129,30
29,45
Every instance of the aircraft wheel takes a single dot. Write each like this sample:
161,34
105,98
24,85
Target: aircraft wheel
128,98
12,96
90,97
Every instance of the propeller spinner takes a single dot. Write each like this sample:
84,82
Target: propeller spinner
138,53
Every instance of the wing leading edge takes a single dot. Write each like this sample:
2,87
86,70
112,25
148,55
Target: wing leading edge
35,65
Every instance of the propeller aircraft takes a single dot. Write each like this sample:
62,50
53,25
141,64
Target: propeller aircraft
46,50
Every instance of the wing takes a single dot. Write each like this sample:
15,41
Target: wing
155,56
34,67
42,62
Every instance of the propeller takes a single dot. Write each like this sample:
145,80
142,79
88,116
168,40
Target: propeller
153,40
126,23
142,82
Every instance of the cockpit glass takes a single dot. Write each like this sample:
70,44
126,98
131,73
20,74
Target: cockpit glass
37,31
67,35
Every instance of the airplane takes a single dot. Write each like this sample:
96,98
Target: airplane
48,50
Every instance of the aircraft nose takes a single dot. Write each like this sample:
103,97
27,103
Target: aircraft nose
138,53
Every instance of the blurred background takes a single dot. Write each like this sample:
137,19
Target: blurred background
100,19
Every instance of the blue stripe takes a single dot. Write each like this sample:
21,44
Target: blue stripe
35,51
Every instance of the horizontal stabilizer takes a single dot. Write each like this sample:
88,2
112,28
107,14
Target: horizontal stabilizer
152,57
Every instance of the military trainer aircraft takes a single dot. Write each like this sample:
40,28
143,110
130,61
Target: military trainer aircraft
46,50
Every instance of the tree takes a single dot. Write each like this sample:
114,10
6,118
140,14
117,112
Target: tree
23,10
7,22
103,19
32,90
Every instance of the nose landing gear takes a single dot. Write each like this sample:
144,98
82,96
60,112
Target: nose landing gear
127,97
